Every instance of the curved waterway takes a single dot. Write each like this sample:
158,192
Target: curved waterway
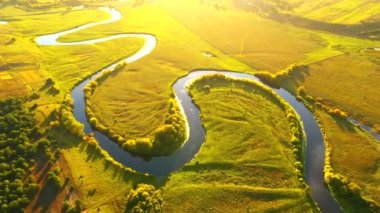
163,166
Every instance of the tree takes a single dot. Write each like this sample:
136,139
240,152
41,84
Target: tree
145,198
54,181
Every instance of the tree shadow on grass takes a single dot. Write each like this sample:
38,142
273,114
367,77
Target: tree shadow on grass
300,76
42,167
45,198
344,124
51,117
64,139
126,175
92,153
45,86
107,165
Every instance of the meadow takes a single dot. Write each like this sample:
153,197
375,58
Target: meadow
220,178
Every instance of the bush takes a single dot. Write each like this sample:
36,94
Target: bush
141,146
301,91
34,96
337,112
68,120
54,181
32,190
167,139
278,79
49,82
350,193
43,145
144,199
78,208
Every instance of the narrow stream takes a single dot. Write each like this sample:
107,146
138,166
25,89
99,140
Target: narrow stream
163,166
366,128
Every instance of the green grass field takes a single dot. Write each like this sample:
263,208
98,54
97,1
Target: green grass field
249,170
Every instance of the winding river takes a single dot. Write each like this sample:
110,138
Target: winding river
163,166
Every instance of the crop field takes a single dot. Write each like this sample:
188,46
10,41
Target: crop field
323,54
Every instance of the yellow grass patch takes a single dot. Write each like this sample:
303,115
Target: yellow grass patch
12,86
5,76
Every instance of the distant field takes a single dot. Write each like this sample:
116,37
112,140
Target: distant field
70,64
19,65
261,43
52,22
249,170
25,60
339,11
